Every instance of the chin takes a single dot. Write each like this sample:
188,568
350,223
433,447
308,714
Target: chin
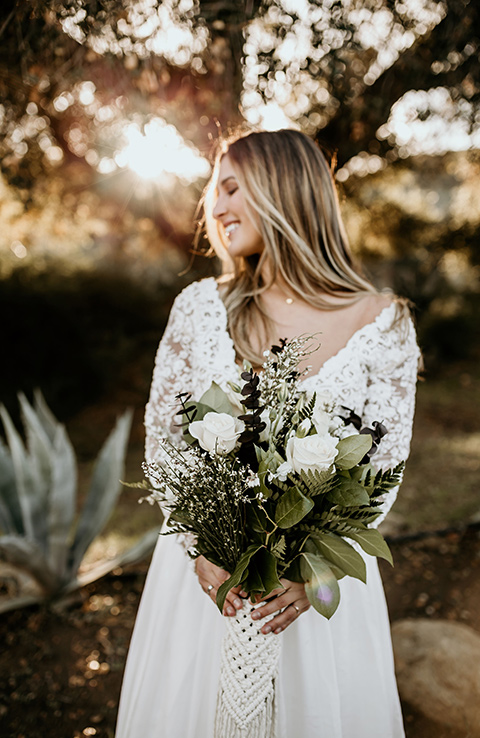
238,250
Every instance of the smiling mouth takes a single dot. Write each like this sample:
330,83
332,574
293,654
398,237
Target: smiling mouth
230,228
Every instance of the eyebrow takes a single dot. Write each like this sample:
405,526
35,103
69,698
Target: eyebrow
224,181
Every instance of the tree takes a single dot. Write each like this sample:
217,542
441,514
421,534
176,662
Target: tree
73,72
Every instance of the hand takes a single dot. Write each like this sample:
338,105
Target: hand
210,578
291,600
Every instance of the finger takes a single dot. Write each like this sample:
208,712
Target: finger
239,591
272,594
274,605
233,603
285,618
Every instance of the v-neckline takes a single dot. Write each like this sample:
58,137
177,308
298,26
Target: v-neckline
364,328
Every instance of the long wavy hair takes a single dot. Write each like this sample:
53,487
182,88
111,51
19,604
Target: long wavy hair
290,196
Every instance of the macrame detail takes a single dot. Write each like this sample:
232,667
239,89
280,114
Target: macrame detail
248,668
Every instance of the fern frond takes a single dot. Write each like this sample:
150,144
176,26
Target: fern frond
279,548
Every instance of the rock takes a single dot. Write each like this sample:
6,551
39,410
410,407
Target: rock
437,663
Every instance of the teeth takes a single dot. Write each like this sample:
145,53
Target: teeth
230,228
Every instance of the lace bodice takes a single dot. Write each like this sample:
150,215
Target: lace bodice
374,374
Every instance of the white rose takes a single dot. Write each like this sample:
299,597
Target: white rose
217,432
315,453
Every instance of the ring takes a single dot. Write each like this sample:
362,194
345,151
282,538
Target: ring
209,588
296,608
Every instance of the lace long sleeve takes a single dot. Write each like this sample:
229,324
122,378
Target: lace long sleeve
392,366
171,375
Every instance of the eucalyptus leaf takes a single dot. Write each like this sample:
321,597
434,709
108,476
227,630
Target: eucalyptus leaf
216,399
321,585
372,543
351,450
291,508
342,555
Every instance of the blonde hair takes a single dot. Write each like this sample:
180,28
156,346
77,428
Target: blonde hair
290,195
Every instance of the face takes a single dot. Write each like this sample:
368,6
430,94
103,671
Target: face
240,231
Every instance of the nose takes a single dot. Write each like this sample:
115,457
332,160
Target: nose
219,207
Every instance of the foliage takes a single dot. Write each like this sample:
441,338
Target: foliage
38,503
71,68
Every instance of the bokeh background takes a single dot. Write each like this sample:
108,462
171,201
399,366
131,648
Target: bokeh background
109,111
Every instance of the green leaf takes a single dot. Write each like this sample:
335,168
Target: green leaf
237,576
268,461
62,500
30,486
351,450
291,508
348,494
342,555
104,490
262,573
372,543
321,585
256,518
10,512
25,553
216,399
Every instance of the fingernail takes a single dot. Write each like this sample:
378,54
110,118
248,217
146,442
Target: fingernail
230,611
267,629
278,630
243,594
256,615
237,603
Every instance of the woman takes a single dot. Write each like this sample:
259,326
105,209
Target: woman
272,215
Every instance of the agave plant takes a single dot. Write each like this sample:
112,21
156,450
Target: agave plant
38,483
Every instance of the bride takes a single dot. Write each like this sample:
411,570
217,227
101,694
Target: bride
272,216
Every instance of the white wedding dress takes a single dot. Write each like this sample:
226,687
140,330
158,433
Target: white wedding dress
336,678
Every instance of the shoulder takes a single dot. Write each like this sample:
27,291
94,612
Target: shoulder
196,294
373,306
393,336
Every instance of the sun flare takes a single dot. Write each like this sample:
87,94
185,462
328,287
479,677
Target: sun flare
160,150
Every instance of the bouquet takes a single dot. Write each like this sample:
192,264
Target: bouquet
272,482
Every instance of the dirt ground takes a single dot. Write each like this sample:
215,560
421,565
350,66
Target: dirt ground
60,673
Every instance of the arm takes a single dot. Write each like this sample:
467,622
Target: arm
173,373
392,366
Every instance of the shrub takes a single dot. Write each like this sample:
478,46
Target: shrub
42,535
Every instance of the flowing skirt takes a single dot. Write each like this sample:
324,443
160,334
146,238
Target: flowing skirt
336,678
